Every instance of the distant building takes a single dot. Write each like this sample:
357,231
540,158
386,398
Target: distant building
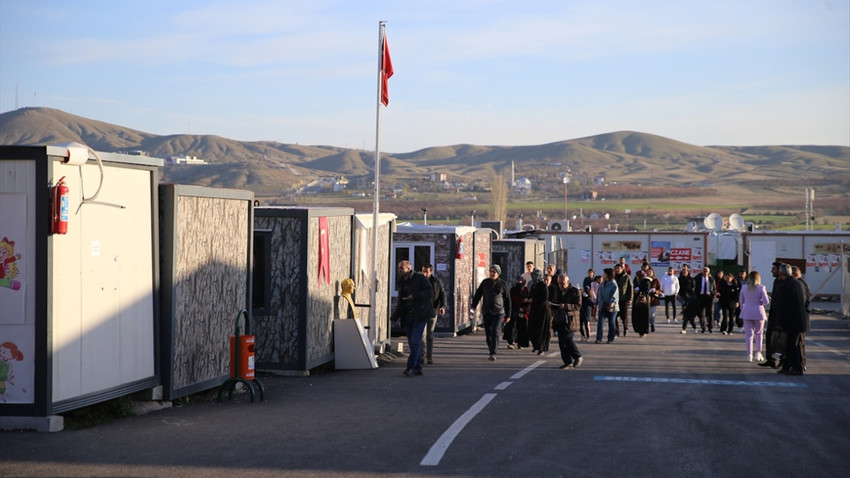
184,159
599,180
589,195
340,184
438,177
522,187
136,152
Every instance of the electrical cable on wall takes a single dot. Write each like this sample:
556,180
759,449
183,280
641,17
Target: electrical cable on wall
91,200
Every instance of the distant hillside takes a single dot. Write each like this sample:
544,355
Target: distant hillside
269,168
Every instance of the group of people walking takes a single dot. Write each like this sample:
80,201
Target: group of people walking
538,303
543,303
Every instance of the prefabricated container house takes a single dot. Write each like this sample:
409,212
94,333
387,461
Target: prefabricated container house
819,255
207,236
301,256
576,252
512,254
460,256
362,270
80,267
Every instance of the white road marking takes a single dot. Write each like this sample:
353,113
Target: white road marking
438,449
828,349
524,371
701,381
435,454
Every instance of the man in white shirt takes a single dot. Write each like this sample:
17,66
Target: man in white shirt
670,289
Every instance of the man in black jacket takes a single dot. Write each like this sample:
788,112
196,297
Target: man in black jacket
686,284
414,308
496,307
769,346
807,297
439,309
568,306
790,304
705,290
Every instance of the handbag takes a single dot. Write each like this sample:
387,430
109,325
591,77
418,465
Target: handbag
574,322
779,341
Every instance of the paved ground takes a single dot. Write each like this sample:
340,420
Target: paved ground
665,405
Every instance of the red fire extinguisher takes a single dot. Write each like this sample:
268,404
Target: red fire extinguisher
459,254
59,206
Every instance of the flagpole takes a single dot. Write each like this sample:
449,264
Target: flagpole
376,193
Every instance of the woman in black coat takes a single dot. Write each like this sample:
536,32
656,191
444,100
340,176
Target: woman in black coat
539,316
728,289
640,307
516,331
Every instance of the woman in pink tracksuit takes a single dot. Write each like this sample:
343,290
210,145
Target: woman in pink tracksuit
753,299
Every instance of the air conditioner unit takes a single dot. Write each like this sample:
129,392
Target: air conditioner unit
559,226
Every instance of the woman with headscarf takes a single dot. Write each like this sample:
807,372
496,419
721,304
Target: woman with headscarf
539,316
516,331
640,308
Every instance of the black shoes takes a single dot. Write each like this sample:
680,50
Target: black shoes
768,363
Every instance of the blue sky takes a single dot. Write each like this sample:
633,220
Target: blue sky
472,71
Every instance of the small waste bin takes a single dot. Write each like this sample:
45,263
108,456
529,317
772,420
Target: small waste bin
242,361
245,367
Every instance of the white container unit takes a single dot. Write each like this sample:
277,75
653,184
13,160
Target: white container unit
82,317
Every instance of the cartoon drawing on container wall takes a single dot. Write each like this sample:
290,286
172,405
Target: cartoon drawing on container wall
8,352
8,268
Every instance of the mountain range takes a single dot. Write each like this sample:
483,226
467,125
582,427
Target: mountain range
274,169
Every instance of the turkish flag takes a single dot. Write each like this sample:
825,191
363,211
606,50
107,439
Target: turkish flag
386,72
324,251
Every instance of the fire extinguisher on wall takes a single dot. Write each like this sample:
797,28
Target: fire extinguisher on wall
459,254
59,206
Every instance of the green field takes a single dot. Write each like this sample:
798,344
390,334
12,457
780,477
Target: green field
672,213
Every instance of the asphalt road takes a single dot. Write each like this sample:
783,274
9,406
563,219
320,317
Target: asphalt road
665,405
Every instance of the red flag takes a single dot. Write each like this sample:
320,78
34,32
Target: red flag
324,251
386,72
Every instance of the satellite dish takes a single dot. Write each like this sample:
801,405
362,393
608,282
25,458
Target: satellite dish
713,222
736,222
